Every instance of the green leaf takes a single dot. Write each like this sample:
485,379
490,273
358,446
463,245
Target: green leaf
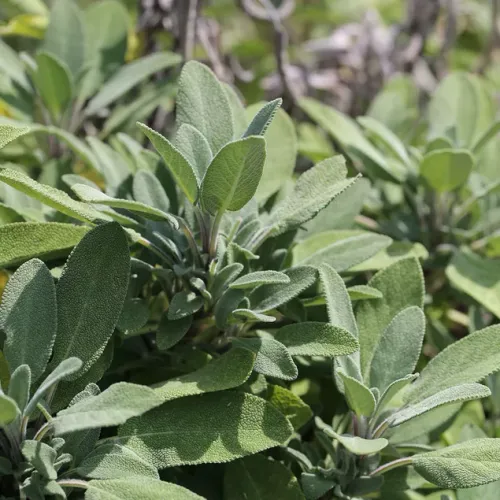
462,465
252,316
447,169
273,358
455,394
8,410
469,360
258,278
195,148
65,35
114,406
129,76
233,176
398,349
9,133
393,389
91,195
340,249
19,386
202,102
180,168
312,338
41,456
52,79
281,153
485,138
359,397
227,372
63,370
88,307
53,240
132,489
50,196
363,292
314,190
267,297
239,118
171,331
345,131
259,478
264,117
28,317
206,429
476,276
223,279
148,190
289,404
112,461
402,286
184,304
226,305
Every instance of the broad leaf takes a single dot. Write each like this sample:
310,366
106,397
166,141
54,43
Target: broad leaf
227,372
171,331
273,358
114,406
148,190
469,360
264,117
398,349
129,76
360,398
41,456
259,478
195,148
180,168
88,307
316,339
223,279
257,278
9,133
184,304
202,102
28,317
209,428
50,196
132,489
462,465
402,286
91,195
20,385
446,170
8,410
112,461
289,404
233,175
396,387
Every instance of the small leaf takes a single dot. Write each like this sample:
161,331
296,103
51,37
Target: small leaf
180,168
28,317
258,278
316,339
128,76
19,386
223,278
314,190
273,358
252,316
91,195
172,331
468,360
363,292
63,370
267,297
229,302
360,398
263,118
233,175
195,148
112,461
8,410
446,170
41,456
50,196
202,102
132,489
88,307
227,372
398,349
9,133
114,406
259,478
212,428
289,404
463,392
392,390
184,304
461,465
148,190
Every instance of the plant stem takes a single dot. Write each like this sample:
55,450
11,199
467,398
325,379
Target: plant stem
73,483
400,462
213,235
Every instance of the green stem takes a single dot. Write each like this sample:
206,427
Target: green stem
191,242
73,483
213,235
400,462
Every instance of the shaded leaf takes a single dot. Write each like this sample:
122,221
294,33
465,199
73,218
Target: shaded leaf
359,397
446,169
41,456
